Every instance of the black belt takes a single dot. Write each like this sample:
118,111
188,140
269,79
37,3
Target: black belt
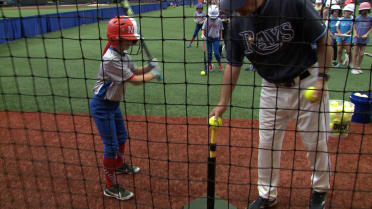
292,82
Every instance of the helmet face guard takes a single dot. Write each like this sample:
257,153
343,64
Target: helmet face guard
134,50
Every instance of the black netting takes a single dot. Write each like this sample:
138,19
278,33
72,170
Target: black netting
51,151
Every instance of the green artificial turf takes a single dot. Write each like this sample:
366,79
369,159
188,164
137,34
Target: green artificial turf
53,74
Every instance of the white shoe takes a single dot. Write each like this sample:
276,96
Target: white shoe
338,65
355,71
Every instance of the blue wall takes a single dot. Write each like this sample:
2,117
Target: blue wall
26,27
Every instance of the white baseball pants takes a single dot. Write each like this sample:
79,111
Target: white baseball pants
277,107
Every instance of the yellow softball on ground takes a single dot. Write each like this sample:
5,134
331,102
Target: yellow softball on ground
310,94
214,122
202,73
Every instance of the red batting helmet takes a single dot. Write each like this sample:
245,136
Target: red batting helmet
122,27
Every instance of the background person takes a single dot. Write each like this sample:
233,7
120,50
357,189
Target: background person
362,28
331,24
211,32
199,18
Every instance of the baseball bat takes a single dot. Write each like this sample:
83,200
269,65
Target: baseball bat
212,162
197,40
343,35
127,9
205,60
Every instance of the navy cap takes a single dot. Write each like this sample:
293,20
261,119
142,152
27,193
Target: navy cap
199,6
232,4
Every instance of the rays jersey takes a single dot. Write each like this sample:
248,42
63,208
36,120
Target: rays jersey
114,70
277,39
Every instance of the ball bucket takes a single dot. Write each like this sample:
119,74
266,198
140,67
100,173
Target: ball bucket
340,114
363,107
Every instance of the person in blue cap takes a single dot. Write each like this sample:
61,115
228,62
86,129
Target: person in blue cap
287,43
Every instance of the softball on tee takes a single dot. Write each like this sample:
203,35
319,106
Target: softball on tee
214,122
202,73
310,94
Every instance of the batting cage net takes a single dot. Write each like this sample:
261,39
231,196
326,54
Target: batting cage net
105,112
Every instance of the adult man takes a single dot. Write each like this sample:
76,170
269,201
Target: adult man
286,41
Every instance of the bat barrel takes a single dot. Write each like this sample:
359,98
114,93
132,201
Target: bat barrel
197,41
204,56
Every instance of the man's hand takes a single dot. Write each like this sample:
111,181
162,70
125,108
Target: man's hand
203,37
218,111
319,92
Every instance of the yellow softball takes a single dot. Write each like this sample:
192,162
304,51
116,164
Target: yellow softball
214,122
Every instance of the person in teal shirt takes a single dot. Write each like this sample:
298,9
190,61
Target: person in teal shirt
331,24
344,29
